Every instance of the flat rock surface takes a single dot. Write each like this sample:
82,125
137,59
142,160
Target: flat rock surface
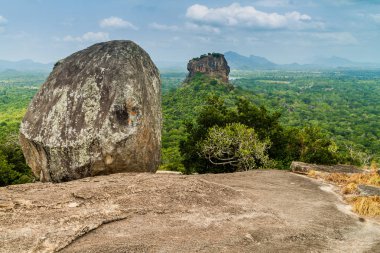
256,211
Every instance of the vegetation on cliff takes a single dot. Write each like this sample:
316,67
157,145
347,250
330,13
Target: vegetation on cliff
216,55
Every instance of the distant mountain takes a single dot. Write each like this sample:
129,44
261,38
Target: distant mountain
334,62
25,65
339,62
237,61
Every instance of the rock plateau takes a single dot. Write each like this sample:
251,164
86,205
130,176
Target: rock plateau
213,65
99,112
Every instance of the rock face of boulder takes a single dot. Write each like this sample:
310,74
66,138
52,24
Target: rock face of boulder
213,65
99,112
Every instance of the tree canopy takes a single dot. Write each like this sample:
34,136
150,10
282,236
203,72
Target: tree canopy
226,139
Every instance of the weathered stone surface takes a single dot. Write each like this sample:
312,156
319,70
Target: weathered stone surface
253,211
304,168
99,112
367,190
213,65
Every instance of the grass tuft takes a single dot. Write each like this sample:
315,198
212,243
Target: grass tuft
312,173
350,188
358,178
369,206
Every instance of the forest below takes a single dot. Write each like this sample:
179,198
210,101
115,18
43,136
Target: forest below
342,104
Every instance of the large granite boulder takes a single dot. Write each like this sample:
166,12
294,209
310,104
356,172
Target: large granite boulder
99,112
213,65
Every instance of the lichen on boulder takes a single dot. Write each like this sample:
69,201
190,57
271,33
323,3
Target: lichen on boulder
99,112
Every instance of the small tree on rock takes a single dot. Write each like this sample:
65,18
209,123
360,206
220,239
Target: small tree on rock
235,146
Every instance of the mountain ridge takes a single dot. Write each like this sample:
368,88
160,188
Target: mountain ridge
234,59
252,62
238,61
25,65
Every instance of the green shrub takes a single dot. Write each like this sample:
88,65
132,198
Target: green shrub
234,147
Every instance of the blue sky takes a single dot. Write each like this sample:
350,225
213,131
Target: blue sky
284,31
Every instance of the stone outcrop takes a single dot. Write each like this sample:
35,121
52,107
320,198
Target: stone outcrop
213,65
368,190
305,168
99,112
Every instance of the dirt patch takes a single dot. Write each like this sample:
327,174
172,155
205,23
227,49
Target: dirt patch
256,211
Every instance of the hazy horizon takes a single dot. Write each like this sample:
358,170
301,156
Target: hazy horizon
283,31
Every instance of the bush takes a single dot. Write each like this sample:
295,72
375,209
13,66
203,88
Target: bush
315,147
234,147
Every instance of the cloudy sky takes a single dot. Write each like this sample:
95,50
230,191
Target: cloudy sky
284,31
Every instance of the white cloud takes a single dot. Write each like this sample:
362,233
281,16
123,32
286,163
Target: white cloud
115,22
3,20
245,16
89,36
201,28
163,27
337,38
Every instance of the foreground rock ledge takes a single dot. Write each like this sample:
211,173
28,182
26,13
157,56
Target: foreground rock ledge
257,211
99,112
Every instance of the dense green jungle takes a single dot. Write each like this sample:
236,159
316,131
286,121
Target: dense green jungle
339,106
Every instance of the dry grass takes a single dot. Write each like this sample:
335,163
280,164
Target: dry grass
312,173
369,206
350,188
363,205
349,180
